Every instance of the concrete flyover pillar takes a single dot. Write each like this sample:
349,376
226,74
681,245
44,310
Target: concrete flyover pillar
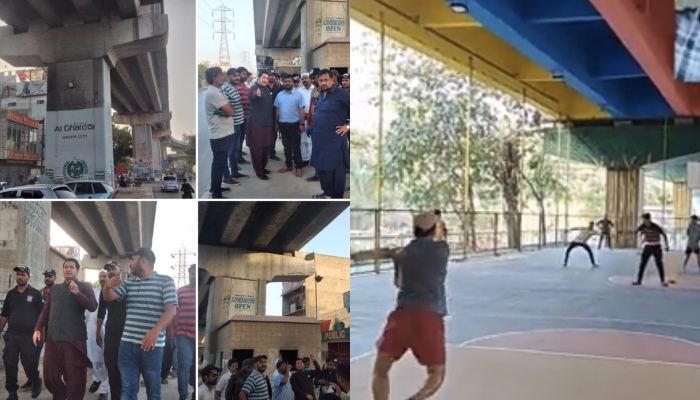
623,204
143,159
155,156
681,205
79,121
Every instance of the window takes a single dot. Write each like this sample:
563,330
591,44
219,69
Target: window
82,188
98,188
32,194
11,194
13,104
40,102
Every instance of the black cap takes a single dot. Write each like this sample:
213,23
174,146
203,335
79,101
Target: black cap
247,362
646,216
346,76
144,252
50,272
22,268
334,72
113,263
314,72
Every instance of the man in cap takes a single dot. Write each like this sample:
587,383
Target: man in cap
65,357
185,330
327,376
22,307
114,326
49,279
334,77
151,304
95,351
330,148
416,323
237,380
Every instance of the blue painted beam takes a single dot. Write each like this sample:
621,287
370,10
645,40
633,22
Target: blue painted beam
579,50
558,12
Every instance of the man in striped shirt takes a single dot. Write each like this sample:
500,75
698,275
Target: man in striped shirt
231,93
257,386
185,331
244,91
151,304
650,234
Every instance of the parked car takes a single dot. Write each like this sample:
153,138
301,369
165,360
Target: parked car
40,191
169,183
92,190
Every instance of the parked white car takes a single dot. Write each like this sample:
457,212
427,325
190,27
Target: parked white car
52,191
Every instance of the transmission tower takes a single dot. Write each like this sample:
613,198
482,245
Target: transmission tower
182,274
224,59
244,57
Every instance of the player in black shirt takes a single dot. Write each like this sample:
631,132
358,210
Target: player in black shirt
650,234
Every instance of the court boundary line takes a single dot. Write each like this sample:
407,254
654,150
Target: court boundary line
590,319
588,356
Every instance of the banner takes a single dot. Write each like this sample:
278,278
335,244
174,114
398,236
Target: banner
22,119
22,155
242,299
342,335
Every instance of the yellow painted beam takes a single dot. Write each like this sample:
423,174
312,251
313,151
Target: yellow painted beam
431,28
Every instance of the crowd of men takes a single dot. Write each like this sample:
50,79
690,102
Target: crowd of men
297,381
118,330
310,112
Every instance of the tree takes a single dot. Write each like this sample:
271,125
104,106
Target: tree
191,151
123,146
201,67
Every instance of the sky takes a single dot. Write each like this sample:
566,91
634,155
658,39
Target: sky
169,234
182,65
334,240
243,29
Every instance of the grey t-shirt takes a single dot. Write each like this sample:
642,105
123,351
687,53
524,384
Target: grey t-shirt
693,234
421,270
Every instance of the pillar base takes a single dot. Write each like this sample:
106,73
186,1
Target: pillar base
143,152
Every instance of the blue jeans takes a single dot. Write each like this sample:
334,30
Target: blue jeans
185,355
134,362
175,359
233,153
220,148
241,139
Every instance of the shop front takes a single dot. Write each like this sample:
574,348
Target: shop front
336,342
21,147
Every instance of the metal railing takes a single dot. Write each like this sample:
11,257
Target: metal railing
489,235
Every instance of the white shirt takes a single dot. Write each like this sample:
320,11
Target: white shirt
221,383
306,94
204,393
219,126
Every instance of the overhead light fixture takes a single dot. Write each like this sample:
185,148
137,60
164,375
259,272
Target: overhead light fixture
458,8
70,84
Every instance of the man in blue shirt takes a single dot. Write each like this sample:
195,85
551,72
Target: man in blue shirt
282,386
290,116
330,148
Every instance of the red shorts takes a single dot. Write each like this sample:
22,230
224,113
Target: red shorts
415,329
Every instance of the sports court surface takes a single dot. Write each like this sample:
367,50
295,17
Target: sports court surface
522,327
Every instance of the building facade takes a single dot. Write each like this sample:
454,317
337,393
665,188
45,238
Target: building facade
20,146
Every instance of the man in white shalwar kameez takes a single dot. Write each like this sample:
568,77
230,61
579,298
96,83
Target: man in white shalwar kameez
306,90
95,352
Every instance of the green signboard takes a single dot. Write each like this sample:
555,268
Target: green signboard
346,301
341,335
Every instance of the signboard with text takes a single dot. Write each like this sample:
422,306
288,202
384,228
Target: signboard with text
341,335
22,155
242,299
22,119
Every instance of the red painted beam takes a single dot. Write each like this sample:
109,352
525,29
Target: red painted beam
648,29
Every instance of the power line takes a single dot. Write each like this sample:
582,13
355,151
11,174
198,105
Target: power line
205,21
208,4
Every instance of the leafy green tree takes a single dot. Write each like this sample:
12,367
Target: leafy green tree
201,67
191,151
123,149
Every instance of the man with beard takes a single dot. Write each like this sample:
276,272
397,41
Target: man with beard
261,125
65,358
330,147
290,117
303,379
185,330
417,322
220,125
346,82
283,389
114,326
22,307
229,89
95,351
275,89
151,305
210,374
49,279
327,376
257,386
306,90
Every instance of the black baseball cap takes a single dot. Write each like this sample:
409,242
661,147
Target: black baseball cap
144,252
113,263
346,76
50,272
334,72
22,268
314,72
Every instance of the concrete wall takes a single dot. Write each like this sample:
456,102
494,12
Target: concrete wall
336,281
332,55
28,106
269,338
321,20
